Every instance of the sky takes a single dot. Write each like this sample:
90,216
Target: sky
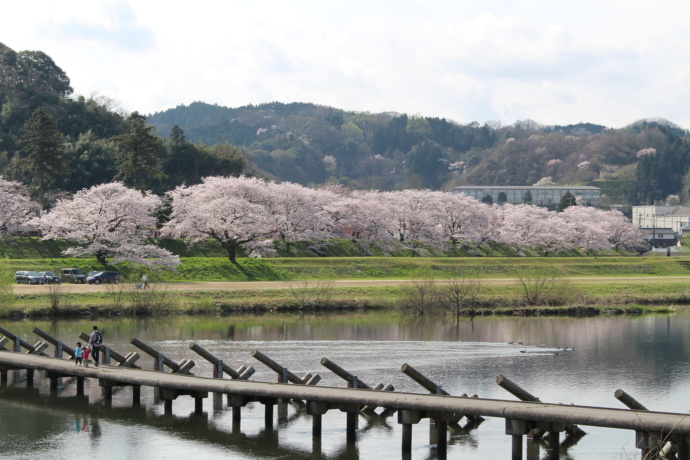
555,62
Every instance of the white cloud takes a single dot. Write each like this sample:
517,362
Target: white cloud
552,62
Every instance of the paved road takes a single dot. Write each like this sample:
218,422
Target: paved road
235,285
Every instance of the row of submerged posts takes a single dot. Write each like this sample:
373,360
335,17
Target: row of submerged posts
540,431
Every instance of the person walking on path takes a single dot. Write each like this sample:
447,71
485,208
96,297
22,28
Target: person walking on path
144,281
96,342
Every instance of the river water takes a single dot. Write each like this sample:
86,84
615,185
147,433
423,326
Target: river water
648,356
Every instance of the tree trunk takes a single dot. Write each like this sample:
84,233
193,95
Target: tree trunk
232,253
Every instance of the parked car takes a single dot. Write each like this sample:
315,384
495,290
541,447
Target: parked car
28,277
104,277
50,278
72,275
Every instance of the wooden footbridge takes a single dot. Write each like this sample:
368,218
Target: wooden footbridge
658,434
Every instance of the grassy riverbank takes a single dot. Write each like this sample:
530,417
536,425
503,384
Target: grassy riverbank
306,283
576,297
290,269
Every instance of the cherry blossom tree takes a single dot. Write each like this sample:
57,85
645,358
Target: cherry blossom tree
412,222
463,219
585,225
544,181
297,212
230,210
622,234
108,221
527,226
15,205
362,215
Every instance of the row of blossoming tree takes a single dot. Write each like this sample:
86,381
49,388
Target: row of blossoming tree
111,221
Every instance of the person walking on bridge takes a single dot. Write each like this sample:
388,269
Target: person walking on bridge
96,342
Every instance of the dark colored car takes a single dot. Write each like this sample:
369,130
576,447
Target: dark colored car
104,277
50,278
28,277
72,275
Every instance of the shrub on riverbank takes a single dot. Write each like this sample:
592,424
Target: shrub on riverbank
629,298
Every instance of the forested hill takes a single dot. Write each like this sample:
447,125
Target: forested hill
56,142
308,143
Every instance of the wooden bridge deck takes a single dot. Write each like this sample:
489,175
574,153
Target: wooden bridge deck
641,421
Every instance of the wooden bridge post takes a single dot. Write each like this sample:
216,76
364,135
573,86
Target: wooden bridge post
218,374
268,411
407,418
54,382
316,409
30,378
80,386
683,444
236,402
438,427
554,445
158,366
136,395
352,424
553,439
517,429
282,402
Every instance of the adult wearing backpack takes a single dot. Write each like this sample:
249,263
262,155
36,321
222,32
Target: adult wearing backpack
96,342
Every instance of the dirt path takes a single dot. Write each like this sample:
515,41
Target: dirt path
235,285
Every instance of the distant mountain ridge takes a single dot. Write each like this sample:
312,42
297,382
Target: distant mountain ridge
644,162
310,144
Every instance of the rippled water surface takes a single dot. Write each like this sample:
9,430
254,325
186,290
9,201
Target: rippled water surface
646,356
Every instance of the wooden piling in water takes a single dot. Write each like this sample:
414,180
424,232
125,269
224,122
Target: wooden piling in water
210,357
18,341
647,442
130,360
55,342
423,380
283,373
628,400
523,395
515,389
155,354
342,373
